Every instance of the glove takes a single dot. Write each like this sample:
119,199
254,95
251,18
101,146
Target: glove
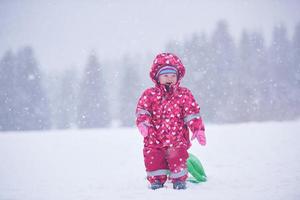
200,135
143,128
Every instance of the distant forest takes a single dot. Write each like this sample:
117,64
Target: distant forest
234,81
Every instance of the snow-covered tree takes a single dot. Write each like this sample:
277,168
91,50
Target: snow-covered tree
67,97
280,70
32,107
25,106
195,60
93,107
130,91
198,67
222,61
7,91
251,77
295,81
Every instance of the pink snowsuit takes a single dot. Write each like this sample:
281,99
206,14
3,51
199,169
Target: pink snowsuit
168,115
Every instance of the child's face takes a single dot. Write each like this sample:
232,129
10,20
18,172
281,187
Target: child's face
167,79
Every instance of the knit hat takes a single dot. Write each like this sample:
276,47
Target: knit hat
166,59
167,70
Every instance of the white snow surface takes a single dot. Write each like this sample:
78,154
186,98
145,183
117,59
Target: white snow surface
244,161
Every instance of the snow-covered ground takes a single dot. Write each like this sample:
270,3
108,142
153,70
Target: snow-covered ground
244,161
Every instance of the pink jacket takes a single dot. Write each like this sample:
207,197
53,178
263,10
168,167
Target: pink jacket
168,114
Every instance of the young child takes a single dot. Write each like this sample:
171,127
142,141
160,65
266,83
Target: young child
164,114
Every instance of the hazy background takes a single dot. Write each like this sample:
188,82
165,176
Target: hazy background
69,64
64,32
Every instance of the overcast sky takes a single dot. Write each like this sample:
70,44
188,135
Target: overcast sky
64,32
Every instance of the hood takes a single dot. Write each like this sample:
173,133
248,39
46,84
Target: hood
164,59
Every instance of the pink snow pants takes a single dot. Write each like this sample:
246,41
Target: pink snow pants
160,162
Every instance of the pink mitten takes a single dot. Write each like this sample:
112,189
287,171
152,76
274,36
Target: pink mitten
200,135
143,129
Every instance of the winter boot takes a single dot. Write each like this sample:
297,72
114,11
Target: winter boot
179,185
156,185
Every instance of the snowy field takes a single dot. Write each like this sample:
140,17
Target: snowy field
244,161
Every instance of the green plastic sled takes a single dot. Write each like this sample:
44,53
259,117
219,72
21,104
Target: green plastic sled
195,168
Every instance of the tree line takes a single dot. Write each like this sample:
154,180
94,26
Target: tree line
233,80
246,80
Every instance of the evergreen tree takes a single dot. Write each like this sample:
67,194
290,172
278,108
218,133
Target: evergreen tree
295,81
52,88
7,91
67,105
24,105
281,73
32,108
93,107
222,60
258,71
199,72
129,91
251,75
193,57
